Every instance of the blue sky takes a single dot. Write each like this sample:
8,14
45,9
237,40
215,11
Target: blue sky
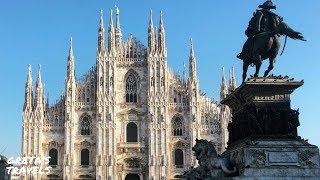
37,31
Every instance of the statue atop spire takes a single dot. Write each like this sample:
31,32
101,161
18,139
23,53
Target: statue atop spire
29,78
28,91
161,20
70,68
232,80
39,81
161,37
151,20
39,90
191,49
111,34
101,38
118,34
101,18
111,19
117,11
70,49
192,63
223,87
151,36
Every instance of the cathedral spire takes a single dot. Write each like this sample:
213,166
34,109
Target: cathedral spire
28,91
232,81
70,68
110,20
118,34
117,17
161,19
184,70
151,35
111,34
223,87
151,20
101,39
192,63
39,90
101,19
161,36
70,79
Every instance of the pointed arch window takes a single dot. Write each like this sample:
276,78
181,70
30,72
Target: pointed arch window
174,96
178,157
85,157
131,88
177,126
132,132
53,153
85,125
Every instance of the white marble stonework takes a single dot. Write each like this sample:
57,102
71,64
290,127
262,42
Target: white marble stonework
129,89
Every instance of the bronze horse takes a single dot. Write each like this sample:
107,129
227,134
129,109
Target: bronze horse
266,46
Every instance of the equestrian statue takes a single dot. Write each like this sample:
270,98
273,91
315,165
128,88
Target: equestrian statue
263,32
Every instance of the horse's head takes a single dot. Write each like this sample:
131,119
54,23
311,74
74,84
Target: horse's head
285,30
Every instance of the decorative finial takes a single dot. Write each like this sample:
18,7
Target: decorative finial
70,42
29,77
39,73
70,48
29,69
161,18
151,21
110,20
191,48
101,18
223,76
117,9
117,17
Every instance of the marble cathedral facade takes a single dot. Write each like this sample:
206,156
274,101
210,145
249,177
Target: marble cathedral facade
129,117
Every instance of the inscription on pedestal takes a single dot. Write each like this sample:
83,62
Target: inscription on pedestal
279,158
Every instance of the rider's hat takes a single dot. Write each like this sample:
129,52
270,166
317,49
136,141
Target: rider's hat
268,5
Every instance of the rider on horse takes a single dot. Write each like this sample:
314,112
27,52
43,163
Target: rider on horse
263,20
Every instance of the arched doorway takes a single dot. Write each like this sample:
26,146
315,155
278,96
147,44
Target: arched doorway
132,177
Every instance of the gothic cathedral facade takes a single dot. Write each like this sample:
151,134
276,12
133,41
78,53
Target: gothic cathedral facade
129,117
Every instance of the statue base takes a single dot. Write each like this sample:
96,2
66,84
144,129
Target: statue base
263,139
269,158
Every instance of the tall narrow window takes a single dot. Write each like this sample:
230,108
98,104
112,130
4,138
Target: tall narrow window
53,153
85,126
162,81
178,157
132,132
177,126
131,89
85,157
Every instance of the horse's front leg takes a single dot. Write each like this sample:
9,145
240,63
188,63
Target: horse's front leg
258,63
245,69
270,67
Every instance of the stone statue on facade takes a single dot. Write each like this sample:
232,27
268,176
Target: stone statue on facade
263,32
210,163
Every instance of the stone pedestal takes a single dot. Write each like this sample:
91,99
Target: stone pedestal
263,139
275,158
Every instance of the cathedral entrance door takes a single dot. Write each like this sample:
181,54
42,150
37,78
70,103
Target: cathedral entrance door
132,177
